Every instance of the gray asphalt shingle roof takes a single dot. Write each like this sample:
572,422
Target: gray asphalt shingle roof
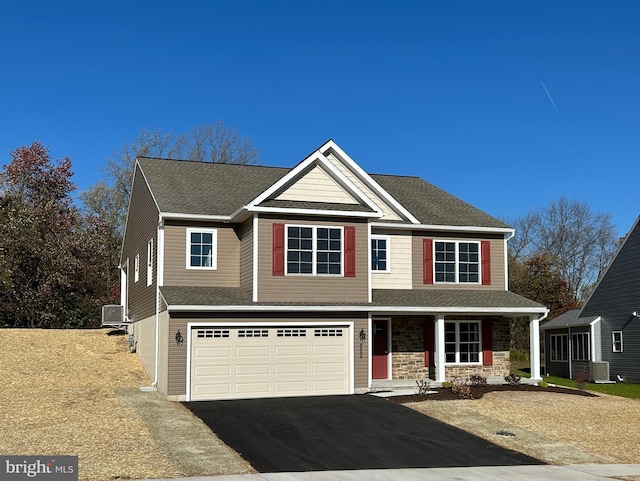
203,188
440,298
568,319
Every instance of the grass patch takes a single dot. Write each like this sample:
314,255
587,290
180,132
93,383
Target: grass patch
623,389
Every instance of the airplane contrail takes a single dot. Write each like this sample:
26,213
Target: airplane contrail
548,95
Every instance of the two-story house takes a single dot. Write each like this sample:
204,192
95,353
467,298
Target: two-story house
602,337
248,281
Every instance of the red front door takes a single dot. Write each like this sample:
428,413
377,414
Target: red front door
379,359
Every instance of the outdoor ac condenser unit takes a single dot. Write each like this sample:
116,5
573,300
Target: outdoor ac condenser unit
113,315
599,371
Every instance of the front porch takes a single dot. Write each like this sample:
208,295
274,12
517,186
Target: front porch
439,348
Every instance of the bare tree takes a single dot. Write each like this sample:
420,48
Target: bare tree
209,143
579,242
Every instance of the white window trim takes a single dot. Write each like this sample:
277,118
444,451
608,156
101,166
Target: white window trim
136,268
457,361
551,338
613,338
385,238
214,249
150,263
457,242
314,243
587,350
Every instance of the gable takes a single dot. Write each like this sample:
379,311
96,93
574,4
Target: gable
617,294
317,186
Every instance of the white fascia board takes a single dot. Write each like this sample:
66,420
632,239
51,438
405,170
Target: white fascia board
516,311
447,228
315,158
341,213
368,180
208,218
597,319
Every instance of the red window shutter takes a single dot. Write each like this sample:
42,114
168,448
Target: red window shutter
487,343
278,250
349,251
427,261
428,342
485,253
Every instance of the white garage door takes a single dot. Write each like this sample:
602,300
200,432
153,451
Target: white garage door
270,361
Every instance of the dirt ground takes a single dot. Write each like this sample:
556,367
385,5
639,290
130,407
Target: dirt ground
76,392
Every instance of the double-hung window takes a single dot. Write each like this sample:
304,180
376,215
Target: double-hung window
580,346
380,254
462,342
202,247
314,250
559,347
457,262
617,341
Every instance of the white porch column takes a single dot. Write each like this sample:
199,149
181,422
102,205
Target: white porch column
534,348
439,357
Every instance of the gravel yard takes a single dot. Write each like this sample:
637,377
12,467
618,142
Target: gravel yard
76,392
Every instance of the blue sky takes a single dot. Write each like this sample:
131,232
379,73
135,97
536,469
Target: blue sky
507,105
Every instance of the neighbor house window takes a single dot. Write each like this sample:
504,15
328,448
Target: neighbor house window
457,262
380,254
136,268
617,341
150,262
580,346
462,342
314,250
559,347
202,246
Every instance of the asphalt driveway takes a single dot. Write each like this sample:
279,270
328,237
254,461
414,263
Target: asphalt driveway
330,433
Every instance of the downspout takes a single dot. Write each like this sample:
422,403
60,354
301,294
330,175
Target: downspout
154,384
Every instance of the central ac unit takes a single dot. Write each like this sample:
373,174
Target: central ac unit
113,315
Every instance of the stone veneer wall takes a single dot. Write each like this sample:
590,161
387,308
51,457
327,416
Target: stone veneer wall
407,351
407,347
501,357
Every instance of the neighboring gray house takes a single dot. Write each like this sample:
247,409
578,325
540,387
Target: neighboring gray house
604,336
246,281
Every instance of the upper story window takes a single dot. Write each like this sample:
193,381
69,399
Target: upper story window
462,342
202,247
380,254
617,341
314,250
580,346
456,262
150,262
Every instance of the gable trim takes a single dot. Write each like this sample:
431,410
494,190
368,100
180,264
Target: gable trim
368,180
340,213
317,158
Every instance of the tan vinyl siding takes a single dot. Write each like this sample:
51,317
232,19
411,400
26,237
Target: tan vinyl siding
498,277
142,226
227,273
317,186
246,255
309,288
389,213
177,366
400,275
